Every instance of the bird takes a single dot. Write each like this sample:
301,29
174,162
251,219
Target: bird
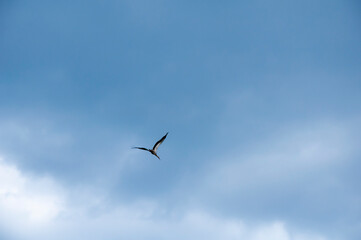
155,147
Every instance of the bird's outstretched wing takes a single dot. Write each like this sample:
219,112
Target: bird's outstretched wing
141,148
156,145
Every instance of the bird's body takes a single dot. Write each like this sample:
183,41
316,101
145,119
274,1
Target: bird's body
155,147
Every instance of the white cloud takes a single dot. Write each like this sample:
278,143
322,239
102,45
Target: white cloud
43,209
27,203
140,221
38,208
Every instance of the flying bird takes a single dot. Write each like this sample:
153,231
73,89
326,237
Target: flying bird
155,147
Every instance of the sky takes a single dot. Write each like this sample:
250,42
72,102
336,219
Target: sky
261,100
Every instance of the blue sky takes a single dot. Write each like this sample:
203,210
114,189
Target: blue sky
261,100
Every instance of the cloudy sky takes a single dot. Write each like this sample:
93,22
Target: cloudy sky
261,100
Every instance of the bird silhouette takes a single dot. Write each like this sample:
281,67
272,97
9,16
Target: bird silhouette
155,147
